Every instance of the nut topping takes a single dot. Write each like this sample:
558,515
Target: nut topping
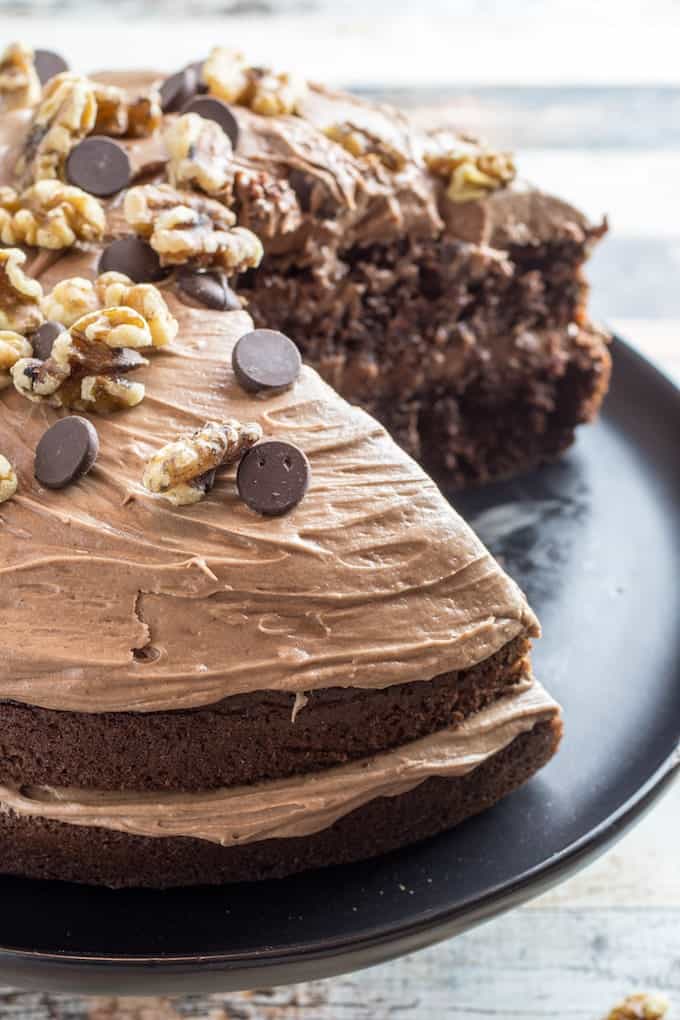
472,170
12,347
200,154
188,228
69,300
8,480
19,294
120,116
50,214
118,289
176,470
264,91
361,143
19,82
65,114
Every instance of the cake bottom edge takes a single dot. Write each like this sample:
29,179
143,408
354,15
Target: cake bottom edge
42,848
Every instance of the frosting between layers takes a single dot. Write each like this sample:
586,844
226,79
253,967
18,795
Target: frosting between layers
298,806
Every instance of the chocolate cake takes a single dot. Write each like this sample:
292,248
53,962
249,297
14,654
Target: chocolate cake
243,633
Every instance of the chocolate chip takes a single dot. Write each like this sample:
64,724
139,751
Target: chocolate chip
47,64
99,166
133,257
44,337
273,477
66,452
177,90
209,289
265,360
215,109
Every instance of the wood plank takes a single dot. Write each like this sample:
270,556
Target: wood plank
524,966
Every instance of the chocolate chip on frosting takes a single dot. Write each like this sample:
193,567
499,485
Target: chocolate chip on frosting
99,166
44,337
265,360
273,477
133,257
209,289
215,109
47,64
66,452
179,89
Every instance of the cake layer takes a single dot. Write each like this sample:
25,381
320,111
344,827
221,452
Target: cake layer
243,739
40,847
298,805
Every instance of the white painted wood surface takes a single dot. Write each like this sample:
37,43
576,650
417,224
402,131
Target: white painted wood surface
614,928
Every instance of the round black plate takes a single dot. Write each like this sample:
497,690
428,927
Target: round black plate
595,542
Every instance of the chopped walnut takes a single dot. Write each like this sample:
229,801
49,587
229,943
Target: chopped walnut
103,342
66,113
361,143
120,116
104,394
19,82
189,228
37,380
472,170
118,289
640,1007
172,470
227,74
184,235
270,93
8,480
69,300
144,203
116,327
200,154
50,214
12,347
19,295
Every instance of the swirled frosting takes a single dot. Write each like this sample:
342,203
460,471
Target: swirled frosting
298,806
372,580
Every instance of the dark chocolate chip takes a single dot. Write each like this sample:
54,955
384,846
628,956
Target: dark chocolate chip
44,337
265,360
177,90
209,289
133,257
47,64
273,477
66,452
205,482
99,166
215,109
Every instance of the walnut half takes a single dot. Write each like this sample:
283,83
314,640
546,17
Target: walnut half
51,215
66,113
8,480
20,295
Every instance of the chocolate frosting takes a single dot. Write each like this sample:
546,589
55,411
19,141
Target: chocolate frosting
113,600
300,805
372,580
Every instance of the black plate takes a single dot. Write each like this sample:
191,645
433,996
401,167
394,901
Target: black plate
595,542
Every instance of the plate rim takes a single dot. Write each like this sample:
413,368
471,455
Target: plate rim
437,923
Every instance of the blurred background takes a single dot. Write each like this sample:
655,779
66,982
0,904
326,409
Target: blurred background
588,95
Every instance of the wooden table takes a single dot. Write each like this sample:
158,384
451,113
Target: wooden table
615,928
